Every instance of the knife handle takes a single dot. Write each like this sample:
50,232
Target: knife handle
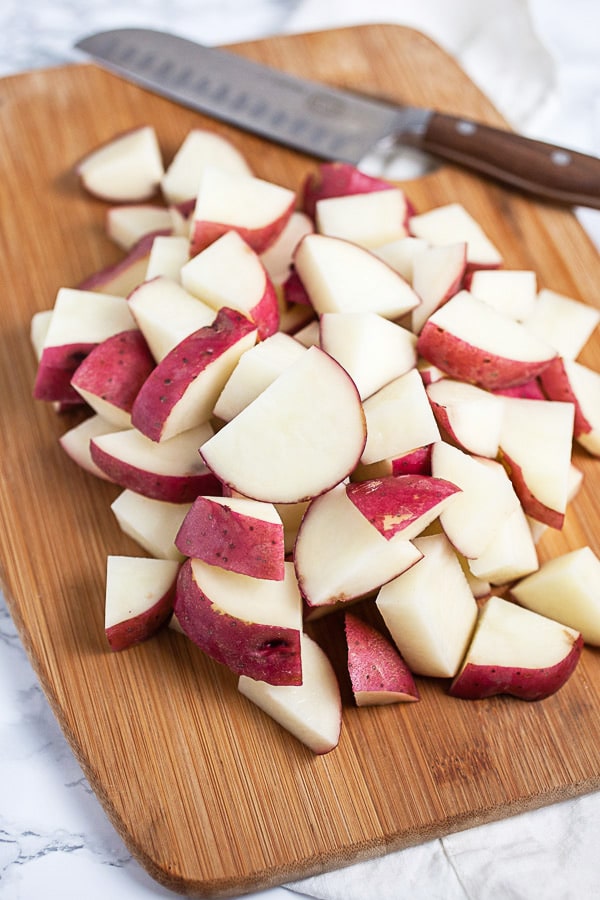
550,172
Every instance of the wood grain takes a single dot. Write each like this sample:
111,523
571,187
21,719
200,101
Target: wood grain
210,795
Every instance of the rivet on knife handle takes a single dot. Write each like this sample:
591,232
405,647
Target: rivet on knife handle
533,166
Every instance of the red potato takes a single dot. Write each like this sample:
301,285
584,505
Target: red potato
518,652
378,673
399,419
168,255
229,273
401,254
471,341
257,210
124,276
311,711
369,219
139,598
256,370
563,322
340,276
572,382
303,434
510,291
536,446
529,390
295,293
165,313
238,534
153,524
437,274
340,557
181,391
401,504
111,375
511,554
470,416
80,320
126,169
199,148
127,224
469,524
337,179
451,223
76,443
567,589
430,610
171,470
251,625
373,350
415,462
277,259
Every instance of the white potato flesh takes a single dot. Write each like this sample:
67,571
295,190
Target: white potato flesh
152,523
166,313
508,635
537,436
302,435
370,219
261,600
451,223
312,711
86,317
399,419
566,588
134,585
199,148
480,325
430,610
469,523
563,322
340,276
340,556
256,370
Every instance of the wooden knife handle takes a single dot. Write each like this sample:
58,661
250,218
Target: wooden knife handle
548,171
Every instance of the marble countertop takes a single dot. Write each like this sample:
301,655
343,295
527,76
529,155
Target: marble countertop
539,61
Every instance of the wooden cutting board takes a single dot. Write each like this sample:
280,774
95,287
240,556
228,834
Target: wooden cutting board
209,794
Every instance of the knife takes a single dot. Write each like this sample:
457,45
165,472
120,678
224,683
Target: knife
330,123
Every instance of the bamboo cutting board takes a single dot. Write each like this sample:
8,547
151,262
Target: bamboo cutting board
209,794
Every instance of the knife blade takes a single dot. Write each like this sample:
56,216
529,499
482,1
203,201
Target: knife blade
335,124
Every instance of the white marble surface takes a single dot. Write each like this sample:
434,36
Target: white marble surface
539,61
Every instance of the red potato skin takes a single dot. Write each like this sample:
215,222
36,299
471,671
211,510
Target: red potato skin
417,462
116,369
264,652
265,314
182,488
294,291
55,370
478,682
220,536
557,386
374,664
117,272
141,628
531,505
168,381
204,232
468,363
337,179
529,390
394,502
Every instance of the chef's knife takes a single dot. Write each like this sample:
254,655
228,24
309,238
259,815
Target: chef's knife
335,124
